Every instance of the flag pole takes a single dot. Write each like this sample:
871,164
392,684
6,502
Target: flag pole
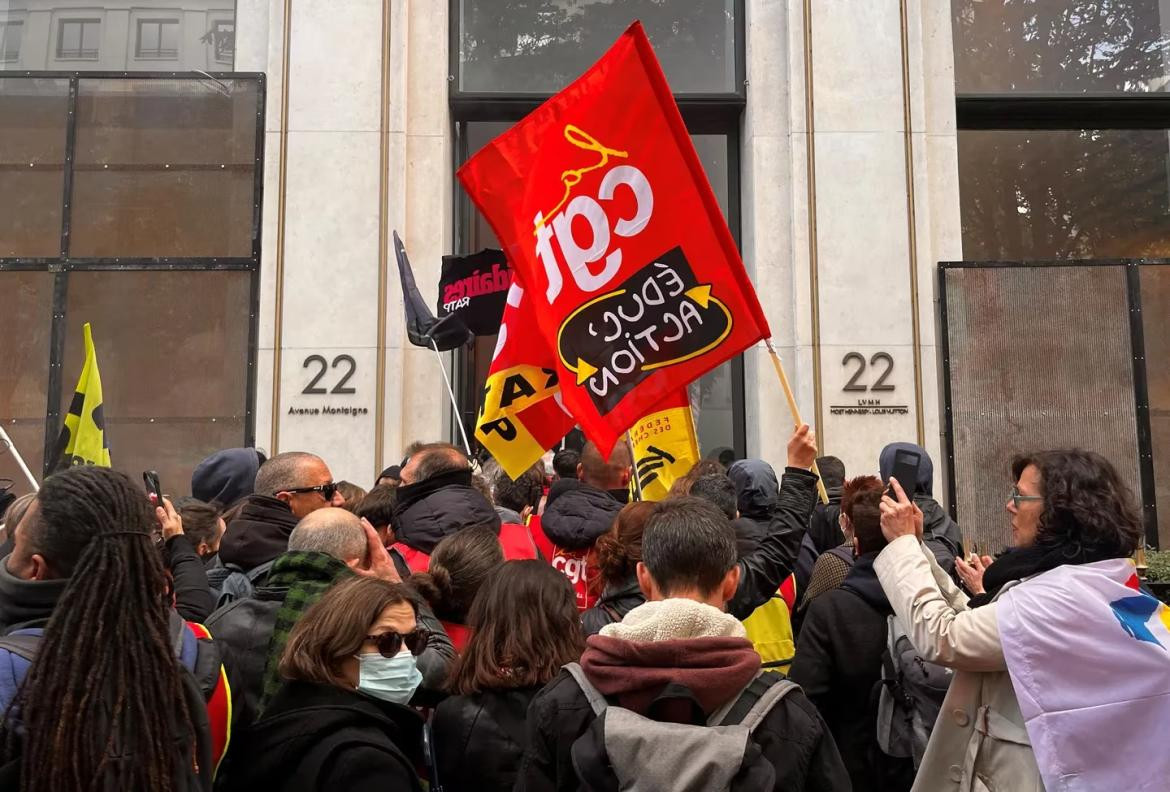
451,393
794,410
634,466
19,459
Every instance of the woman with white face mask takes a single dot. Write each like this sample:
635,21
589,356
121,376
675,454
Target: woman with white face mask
342,720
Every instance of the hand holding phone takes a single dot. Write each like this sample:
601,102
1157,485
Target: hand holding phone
153,487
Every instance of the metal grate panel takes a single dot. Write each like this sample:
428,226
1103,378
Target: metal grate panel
1038,358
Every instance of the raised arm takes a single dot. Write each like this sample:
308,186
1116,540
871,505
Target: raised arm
762,572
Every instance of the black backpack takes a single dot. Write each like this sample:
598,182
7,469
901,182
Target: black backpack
909,696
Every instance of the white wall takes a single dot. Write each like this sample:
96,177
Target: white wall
862,242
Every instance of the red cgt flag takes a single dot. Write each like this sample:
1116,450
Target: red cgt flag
604,211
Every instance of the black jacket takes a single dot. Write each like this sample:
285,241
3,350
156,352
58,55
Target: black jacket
579,516
320,737
243,629
479,739
762,571
430,510
258,534
838,663
792,737
613,606
193,598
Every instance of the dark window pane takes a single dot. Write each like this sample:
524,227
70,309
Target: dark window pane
33,113
1039,194
517,46
173,354
1155,310
164,168
1023,45
26,315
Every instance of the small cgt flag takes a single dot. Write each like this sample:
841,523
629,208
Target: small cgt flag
83,437
603,210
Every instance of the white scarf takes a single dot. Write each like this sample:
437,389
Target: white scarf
672,619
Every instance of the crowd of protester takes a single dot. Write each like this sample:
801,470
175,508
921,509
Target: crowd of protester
455,629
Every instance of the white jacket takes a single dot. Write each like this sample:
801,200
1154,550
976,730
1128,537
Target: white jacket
979,743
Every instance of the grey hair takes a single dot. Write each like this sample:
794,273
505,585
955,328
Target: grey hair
334,532
284,472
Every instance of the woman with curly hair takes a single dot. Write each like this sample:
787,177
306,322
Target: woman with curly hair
1047,685
618,552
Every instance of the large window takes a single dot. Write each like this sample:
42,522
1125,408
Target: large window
158,39
507,57
10,33
133,204
1064,154
77,39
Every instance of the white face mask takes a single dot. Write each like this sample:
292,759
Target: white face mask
392,679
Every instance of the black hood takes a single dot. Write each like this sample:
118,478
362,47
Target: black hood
925,481
863,581
579,516
559,488
304,715
430,510
226,476
258,534
757,490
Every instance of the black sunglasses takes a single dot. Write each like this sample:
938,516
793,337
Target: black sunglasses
327,490
390,643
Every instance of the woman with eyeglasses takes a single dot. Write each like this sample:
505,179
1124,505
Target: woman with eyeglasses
1050,685
342,721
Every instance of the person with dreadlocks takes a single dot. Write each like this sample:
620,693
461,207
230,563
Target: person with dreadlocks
104,686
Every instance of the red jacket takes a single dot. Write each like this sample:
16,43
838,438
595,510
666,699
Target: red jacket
515,540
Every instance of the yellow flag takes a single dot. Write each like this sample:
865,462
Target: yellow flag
665,446
83,437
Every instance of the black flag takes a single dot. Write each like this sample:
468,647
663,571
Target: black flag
474,288
421,325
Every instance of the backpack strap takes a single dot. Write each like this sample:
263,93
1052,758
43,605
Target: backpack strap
592,694
260,571
756,701
23,646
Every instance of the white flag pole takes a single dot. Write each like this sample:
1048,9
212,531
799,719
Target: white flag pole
19,459
451,393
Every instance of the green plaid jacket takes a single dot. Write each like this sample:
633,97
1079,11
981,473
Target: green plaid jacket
308,576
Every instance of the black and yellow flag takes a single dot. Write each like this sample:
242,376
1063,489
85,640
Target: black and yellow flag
83,437
665,446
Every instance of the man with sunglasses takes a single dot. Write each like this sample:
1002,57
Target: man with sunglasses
288,487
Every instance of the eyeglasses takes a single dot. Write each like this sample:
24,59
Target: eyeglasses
1017,498
390,643
327,490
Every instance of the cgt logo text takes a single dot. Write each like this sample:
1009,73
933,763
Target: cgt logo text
660,316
